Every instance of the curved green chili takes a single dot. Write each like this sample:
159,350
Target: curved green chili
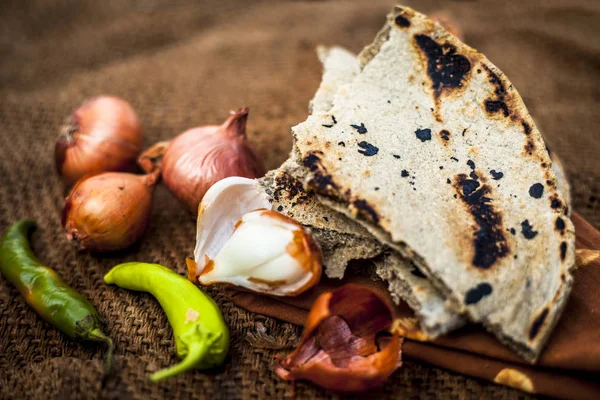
46,292
201,335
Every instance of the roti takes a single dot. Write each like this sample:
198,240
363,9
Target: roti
431,148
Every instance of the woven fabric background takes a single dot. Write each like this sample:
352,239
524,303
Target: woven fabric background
186,63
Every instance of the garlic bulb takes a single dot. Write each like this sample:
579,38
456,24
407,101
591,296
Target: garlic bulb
264,251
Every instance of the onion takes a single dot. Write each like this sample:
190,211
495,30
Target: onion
103,134
109,211
198,158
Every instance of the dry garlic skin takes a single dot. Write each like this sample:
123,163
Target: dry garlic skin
268,253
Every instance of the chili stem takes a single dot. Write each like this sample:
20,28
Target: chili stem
195,353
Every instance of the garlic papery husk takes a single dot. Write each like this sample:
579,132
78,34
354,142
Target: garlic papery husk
347,344
268,253
223,205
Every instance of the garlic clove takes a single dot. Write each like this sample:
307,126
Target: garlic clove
339,348
223,205
268,253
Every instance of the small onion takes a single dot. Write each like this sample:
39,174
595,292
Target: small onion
198,158
103,134
109,211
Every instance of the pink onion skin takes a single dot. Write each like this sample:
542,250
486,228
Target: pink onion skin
200,157
103,134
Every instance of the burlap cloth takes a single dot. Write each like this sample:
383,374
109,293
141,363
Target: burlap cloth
182,64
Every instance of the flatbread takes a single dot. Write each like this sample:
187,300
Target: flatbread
339,68
341,239
435,153
405,280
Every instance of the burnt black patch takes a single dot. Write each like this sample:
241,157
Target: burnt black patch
396,156
321,181
469,186
448,181
444,134
423,134
365,210
474,295
563,251
404,173
446,68
471,164
513,231
342,144
529,147
402,21
454,159
367,149
537,324
280,208
289,188
360,128
417,272
496,175
330,125
560,224
493,106
555,203
489,240
527,230
536,190
527,129
473,175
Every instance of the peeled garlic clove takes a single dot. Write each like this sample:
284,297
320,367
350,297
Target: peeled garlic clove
339,348
267,252
223,205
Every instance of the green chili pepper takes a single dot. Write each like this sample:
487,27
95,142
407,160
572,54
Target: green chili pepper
201,335
46,292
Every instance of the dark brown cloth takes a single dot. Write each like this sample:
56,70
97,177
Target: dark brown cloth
183,63
568,368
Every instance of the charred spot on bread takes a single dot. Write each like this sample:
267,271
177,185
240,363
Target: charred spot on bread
493,106
563,251
555,202
489,242
537,323
417,272
367,149
536,190
289,188
475,294
496,175
446,68
423,134
365,211
320,181
360,128
404,173
402,21
527,230
560,224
